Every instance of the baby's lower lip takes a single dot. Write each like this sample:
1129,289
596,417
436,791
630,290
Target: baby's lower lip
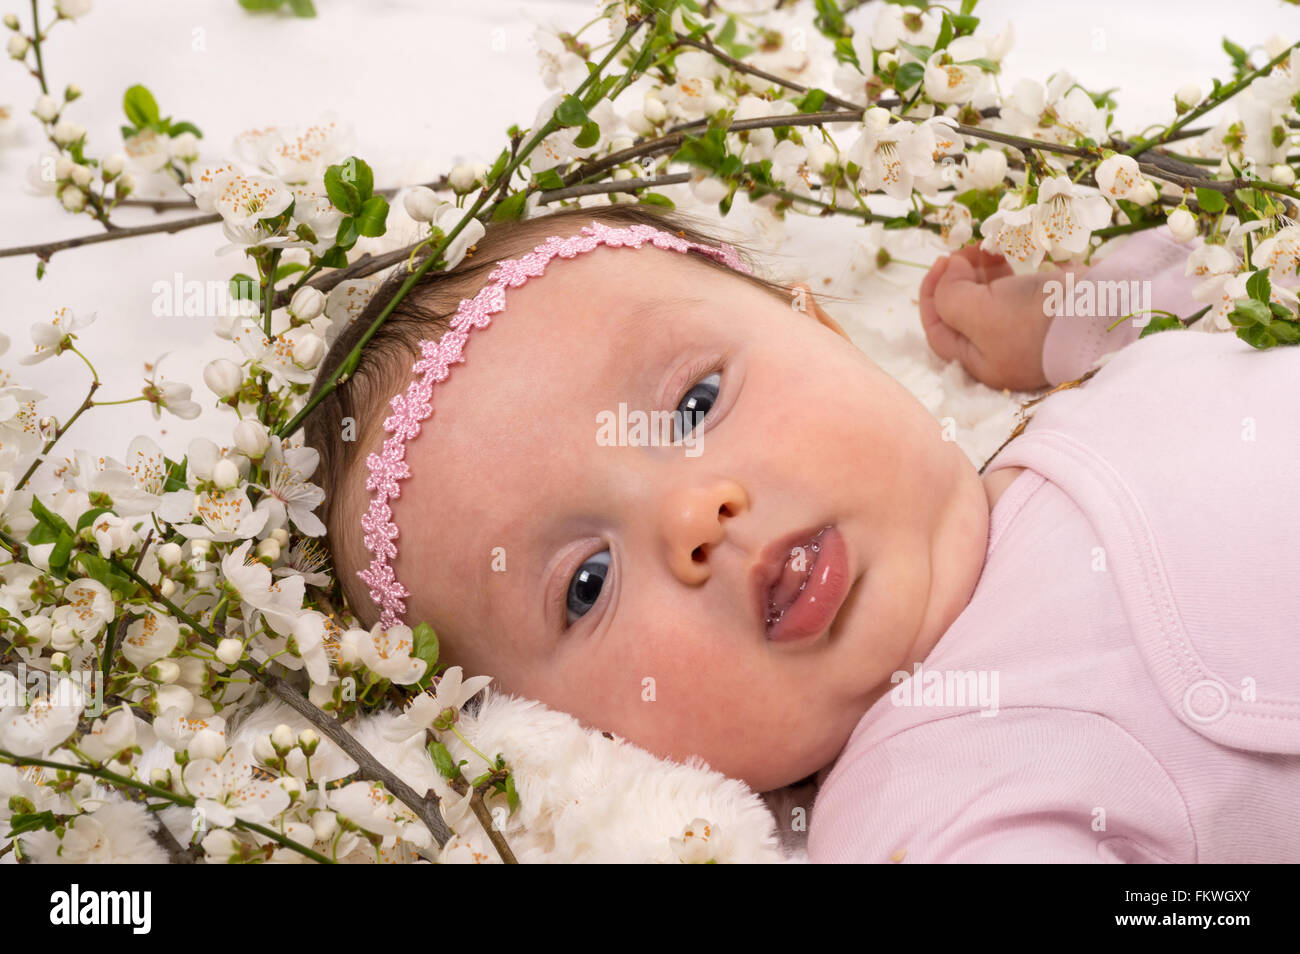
814,608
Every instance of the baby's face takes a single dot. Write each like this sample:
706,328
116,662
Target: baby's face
623,581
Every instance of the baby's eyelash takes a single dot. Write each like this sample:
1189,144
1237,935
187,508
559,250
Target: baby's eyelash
700,369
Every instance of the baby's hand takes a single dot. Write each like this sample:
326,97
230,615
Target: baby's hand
976,309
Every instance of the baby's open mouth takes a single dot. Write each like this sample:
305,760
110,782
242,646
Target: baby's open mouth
807,592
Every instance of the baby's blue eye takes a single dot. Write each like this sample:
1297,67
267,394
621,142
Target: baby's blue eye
695,404
584,588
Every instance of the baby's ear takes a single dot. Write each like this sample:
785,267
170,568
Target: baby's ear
801,294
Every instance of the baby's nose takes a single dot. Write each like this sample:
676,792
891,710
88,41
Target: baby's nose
692,524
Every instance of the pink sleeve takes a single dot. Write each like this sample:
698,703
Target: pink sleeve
1030,784
1073,343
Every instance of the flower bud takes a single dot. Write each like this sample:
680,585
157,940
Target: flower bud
163,671
307,303
225,474
263,751
125,184
167,587
309,350
1144,193
207,744
462,177
80,176
73,199
1182,224
46,109
113,165
66,132
421,204
169,554
160,776
886,62
185,147
280,536
282,738
1282,174
223,377
71,9
63,167
308,740
200,548
229,651
11,21
653,108
268,551
59,661
71,91
219,846
325,824
1188,95
292,785
18,46
251,438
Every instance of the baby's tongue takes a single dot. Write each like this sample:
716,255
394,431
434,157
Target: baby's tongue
791,580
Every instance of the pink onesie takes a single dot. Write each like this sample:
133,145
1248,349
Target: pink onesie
1124,684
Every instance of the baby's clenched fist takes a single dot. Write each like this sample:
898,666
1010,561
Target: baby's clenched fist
976,310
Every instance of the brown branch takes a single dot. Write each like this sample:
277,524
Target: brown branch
44,250
425,807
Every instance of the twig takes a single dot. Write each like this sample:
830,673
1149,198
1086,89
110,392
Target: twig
44,250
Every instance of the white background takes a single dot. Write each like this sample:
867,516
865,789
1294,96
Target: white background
423,87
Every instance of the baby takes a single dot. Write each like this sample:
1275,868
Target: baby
779,601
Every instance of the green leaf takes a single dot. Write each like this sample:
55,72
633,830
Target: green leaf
1256,336
302,8
512,796
1236,53
97,568
1161,323
175,129
424,642
287,269
571,112
373,218
811,101
175,475
964,23
549,179
36,821
945,32
442,760
59,555
49,518
654,198
1248,311
588,136
141,108
908,75
343,194
727,33
356,173
511,208
334,258
984,63
967,6
1210,200
1287,332
922,53
347,235
1257,286
260,5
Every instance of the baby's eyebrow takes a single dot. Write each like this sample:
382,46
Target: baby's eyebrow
656,307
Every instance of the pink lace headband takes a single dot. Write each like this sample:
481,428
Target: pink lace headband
415,405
